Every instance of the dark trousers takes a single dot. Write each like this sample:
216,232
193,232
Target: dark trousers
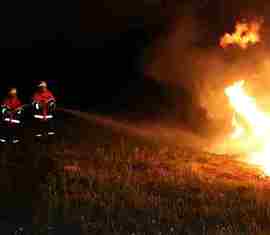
10,132
43,127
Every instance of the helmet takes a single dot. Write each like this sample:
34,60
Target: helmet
12,91
42,84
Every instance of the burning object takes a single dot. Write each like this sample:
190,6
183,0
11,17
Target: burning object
250,123
255,136
245,34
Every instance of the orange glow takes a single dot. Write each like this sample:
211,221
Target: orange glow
257,139
245,34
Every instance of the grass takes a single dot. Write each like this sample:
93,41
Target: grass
109,183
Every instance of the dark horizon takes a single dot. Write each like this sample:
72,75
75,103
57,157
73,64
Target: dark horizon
114,44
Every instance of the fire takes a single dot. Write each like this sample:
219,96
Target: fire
238,129
245,34
255,127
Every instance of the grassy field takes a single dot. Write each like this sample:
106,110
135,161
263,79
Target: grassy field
106,182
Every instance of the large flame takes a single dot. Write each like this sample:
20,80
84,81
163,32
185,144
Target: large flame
245,34
254,127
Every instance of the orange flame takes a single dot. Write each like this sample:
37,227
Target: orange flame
245,34
257,139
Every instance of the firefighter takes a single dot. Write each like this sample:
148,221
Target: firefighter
11,110
43,98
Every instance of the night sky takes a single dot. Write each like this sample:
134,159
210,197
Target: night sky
112,37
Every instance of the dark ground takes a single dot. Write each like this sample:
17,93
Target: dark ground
96,179
24,171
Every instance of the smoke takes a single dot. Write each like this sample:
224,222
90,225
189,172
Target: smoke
188,57
178,60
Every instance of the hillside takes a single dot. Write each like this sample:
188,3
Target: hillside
97,178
